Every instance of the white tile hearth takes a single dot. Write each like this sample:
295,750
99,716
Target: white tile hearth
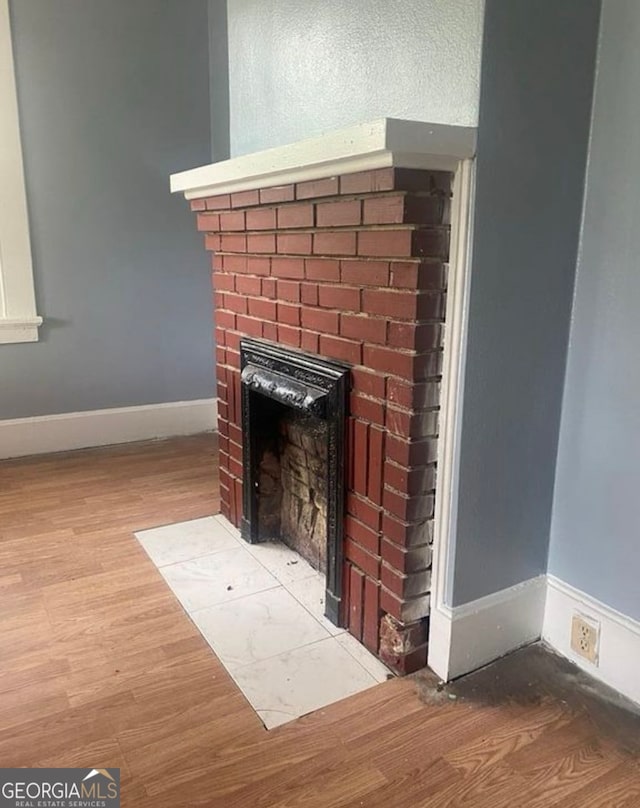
187,540
217,578
294,683
261,609
268,623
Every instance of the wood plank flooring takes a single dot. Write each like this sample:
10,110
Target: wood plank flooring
100,667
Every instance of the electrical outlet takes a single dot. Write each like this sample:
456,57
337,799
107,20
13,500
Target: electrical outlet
585,637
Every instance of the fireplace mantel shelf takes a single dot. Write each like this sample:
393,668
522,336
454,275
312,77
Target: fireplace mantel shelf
383,143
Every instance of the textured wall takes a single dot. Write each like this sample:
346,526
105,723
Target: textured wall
595,543
535,102
300,68
113,97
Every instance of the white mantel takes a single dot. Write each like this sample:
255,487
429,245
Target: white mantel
379,144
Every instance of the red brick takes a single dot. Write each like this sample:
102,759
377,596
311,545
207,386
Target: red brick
287,267
223,282
388,360
250,326
294,243
235,303
296,215
261,219
278,193
258,266
309,293
232,340
269,288
334,243
243,199
371,615
318,320
235,263
432,243
289,335
384,210
309,341
387,243
345,298
341,213
414,275
407,560
376,460
368,383
219,335
343,349
408,509
288,314
409,424
198,204
405,209
356,595
364,511
322,269
368,409
212,241
218,300
235,451
248,285
232,221
417,336
413,396
217,262
233,242
407,452
289,290
264,309
362,535
367,273
363,182
226,319
270,331
360,449
362,327
208,222
222,202
419,179
390,303
235,434
261,243
411,481
368,563
316,188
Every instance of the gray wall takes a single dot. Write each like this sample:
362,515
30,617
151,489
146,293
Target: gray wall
298,68
535,101
595,536
113,96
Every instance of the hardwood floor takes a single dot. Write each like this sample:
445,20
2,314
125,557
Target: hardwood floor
100,667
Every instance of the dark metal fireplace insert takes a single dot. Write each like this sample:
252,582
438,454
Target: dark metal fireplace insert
294,409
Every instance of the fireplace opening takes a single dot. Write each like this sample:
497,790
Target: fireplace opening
293,418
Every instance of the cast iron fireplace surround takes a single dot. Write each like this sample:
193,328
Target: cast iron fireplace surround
313,386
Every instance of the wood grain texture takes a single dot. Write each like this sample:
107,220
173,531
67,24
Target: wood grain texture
101,667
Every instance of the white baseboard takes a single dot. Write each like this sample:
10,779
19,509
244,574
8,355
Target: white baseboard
466,637
619,651
79,430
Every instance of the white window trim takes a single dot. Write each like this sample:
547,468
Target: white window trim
19,321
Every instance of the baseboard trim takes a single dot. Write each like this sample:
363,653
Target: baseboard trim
20,437
466,637
619,651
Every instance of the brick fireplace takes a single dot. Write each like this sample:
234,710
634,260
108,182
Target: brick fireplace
349,266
